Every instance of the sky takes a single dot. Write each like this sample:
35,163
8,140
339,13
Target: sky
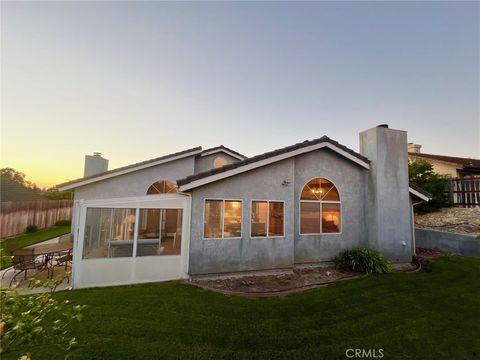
138,80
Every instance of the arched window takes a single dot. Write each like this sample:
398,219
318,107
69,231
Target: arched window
162,187
219,162
320,208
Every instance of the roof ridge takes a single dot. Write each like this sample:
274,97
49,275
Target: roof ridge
267,155
224,148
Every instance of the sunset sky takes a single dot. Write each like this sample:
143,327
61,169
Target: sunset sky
137,80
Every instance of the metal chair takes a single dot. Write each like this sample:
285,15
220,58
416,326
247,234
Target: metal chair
24,260
64,258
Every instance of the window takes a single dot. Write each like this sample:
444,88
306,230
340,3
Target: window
320,208
111,232
159,232
267,219
219,161
222,219
162,187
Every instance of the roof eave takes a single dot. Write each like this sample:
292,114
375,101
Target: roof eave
419,195
78,183
247,167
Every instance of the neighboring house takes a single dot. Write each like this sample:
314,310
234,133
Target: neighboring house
200,212
446,165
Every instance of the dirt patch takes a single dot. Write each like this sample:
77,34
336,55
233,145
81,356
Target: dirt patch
265,283
299,279
427,253
458,220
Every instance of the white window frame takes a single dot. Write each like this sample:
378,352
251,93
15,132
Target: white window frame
223,222
268,218
137,208
321,202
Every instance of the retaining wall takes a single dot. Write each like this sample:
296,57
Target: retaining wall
455,243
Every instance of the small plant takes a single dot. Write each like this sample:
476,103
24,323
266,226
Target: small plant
362,260
63,223
36,319
31,229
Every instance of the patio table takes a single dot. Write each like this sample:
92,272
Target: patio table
49,251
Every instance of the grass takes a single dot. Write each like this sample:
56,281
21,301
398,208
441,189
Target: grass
8,245
427,315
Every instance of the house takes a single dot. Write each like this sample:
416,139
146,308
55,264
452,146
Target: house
455,167
215,211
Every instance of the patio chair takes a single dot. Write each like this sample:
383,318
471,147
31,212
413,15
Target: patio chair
24,260
64,258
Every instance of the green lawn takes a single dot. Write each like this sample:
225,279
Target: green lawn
427,315
8,245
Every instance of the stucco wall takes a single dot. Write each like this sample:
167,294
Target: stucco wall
440,167
229,255
350,182
388,211
136,183
203,163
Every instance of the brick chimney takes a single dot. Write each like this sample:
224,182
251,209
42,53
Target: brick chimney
414,148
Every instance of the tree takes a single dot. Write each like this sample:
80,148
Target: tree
17,177
421,173
14,187
54,194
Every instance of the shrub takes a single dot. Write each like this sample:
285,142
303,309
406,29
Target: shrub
362,260
63,223
31,229
27,321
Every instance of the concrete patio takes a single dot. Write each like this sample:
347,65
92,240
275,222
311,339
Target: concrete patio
23,286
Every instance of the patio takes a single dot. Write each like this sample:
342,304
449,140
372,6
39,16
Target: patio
53,271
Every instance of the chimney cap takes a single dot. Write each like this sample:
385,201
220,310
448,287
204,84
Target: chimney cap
97,154
383,126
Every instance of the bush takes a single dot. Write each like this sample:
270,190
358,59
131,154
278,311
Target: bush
31,229
63,223
362,260
40,318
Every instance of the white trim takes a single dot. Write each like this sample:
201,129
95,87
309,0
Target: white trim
268,219
143,199
210,152
320,202
134,266
126,171
419,194
260,163
223,222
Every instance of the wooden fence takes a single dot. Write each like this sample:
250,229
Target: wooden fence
465,192
15,216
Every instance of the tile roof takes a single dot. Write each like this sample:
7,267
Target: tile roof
247,161
113,171
221,147
465,162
